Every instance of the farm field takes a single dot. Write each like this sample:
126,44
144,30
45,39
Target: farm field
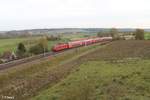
109,73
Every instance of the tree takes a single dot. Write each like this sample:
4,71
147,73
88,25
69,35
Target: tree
139,34
114,32
103,34
36,49
21,50
41,47
100,34
43,42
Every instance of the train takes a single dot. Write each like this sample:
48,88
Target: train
79,43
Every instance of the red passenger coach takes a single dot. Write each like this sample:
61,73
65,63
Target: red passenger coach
88,41
75,44
78,43
59,47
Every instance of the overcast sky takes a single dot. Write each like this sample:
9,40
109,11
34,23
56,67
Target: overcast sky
31,14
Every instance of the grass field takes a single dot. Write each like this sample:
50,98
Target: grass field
11,44
147,35
109,73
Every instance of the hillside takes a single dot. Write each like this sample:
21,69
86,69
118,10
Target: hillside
118,71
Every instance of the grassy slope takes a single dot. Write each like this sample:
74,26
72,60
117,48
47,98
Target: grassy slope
26,80
119,71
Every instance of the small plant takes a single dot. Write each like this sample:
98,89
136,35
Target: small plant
21,50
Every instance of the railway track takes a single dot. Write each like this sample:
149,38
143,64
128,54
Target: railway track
24,60
33,58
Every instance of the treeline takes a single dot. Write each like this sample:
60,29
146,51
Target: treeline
53,37
138,34
8,35
23,34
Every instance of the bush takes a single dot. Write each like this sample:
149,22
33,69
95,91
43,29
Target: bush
139,34
39,48
21,50
114,32
36,49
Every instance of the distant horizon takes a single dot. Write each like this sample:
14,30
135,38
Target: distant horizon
77,28
71,28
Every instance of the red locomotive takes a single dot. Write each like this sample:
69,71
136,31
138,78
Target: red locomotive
78,43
